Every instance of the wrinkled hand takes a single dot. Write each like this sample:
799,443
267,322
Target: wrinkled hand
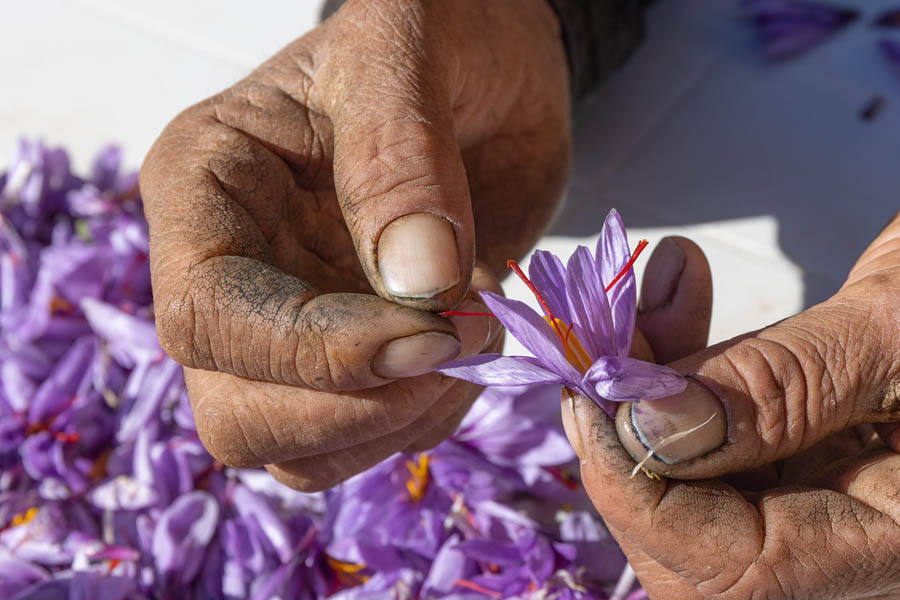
811,507
305,221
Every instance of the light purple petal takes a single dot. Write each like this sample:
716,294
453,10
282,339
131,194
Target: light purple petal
182,534
786,27
533,332
17,575
589,305
498,552
449,565
623,379
612,247
130,338
495,369
613,254
255,506
548,275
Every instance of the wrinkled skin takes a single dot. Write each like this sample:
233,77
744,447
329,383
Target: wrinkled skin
821,522
266,203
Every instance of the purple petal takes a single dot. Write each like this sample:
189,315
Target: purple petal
623,379
106,165
91,585
495,369
612,247
788,27
498,552
613,254
17,575
533,332
449,565
182,534
548,275
252,505
589,305
130,338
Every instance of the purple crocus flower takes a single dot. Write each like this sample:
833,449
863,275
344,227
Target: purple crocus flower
584,336
786,28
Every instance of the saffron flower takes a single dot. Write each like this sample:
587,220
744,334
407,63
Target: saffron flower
786,28
583,338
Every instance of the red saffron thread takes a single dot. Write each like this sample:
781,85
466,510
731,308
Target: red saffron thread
515,269
66,438
477,588
634,255
459,313
113,563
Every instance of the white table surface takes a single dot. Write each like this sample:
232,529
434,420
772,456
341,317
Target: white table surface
769,168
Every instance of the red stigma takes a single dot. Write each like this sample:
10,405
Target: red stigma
113,563
634,255
553,320
66,438
477,588
459,313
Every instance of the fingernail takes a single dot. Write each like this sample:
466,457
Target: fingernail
418,257
567,406
662,274
414,355
677,428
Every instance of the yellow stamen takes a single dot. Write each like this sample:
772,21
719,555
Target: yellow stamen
418,477
575,353
25,517
348,570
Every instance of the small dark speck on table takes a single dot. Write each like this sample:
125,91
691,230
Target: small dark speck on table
872,109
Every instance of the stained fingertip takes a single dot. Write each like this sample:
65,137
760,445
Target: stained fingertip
676,299
606,467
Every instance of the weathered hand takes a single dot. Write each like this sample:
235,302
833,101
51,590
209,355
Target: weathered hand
822,523
374,154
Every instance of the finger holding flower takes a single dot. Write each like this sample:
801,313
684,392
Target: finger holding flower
822,521
584,338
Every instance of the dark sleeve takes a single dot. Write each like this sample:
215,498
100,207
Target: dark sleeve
599,36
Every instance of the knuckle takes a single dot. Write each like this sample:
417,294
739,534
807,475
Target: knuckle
402,154
175,325
325,345
789,387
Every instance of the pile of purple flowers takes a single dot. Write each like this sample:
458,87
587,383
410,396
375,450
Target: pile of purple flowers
106,491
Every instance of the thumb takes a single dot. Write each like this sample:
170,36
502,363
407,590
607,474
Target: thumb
398,172
780,390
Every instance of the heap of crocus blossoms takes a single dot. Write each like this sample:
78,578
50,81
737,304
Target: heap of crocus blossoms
106,491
